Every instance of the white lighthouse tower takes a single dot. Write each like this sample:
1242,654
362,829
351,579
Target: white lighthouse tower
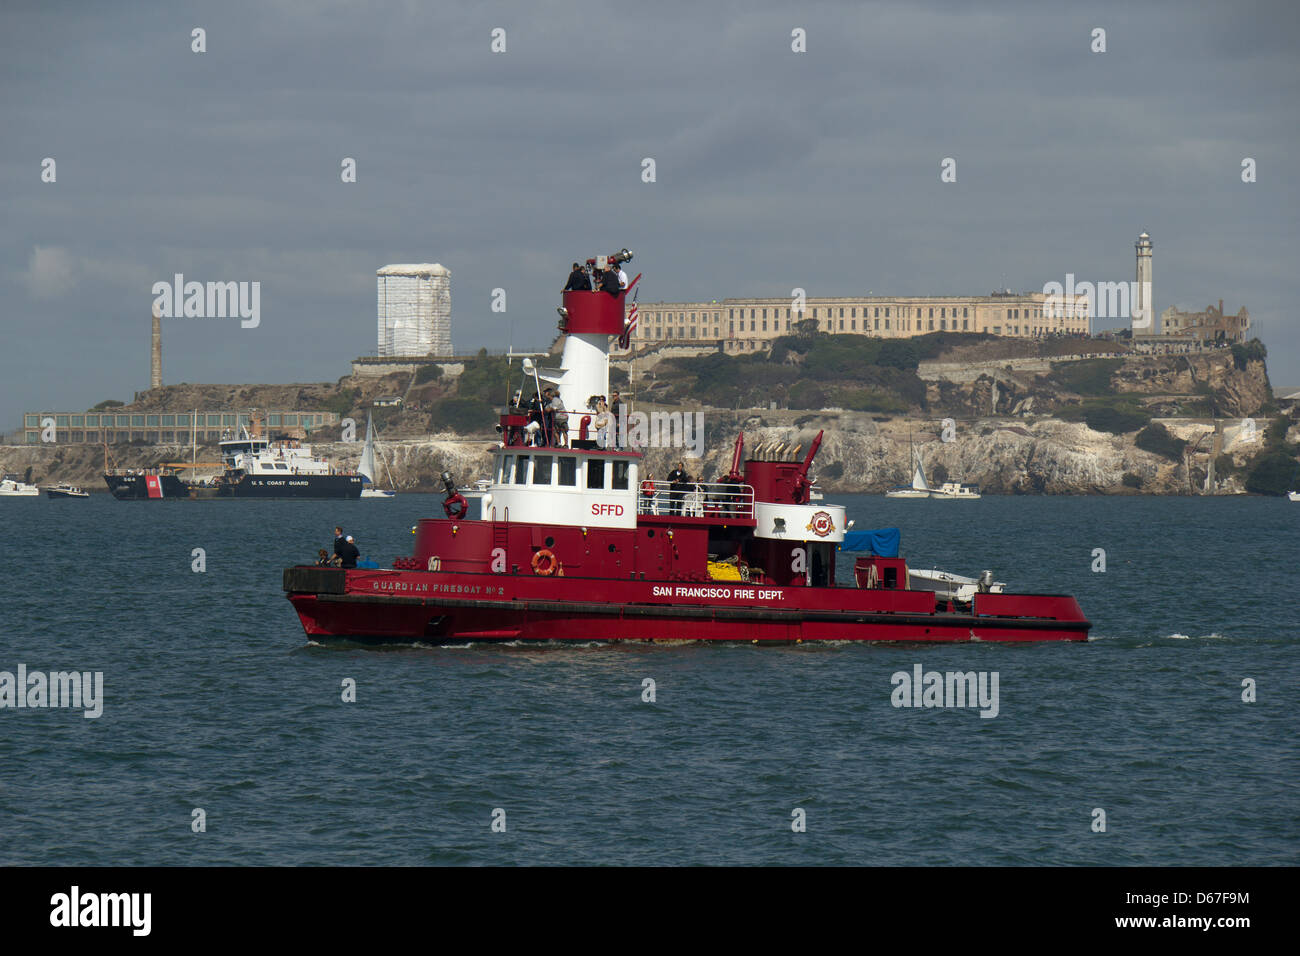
1143,311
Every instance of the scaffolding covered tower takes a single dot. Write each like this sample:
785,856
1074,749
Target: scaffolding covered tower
414,310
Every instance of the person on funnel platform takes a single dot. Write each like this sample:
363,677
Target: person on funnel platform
578,280
609,282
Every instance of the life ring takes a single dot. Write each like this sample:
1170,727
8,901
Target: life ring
455,507
546,563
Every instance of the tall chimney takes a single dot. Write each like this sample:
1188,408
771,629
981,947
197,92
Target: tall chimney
155,376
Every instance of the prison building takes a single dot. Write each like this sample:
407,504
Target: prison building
110,426
742,325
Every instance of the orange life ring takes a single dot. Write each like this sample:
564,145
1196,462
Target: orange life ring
551,566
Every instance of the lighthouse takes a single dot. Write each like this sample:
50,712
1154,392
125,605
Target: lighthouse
1143,312
155,354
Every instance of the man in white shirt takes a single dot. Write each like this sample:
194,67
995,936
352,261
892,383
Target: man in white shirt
622,278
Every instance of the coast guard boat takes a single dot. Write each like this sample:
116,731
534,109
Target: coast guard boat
252,466
573,542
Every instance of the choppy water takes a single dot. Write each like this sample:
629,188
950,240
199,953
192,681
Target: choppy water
214,700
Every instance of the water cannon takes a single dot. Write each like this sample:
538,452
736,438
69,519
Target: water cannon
448,483
607,262
802,484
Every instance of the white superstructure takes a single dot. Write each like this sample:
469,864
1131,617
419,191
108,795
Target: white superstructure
414,305
13,487
258,456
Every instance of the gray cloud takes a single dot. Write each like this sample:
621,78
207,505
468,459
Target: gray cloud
775,169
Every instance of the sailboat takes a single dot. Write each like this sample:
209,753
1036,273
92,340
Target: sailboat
367,470
920,488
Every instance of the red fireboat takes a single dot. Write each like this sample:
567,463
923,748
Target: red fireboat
573,544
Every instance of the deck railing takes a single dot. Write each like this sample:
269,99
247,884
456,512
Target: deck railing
702,499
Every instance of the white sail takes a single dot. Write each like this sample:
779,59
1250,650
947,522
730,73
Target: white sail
918,477
366,467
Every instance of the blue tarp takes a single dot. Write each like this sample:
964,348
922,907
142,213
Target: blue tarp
367,563
882,541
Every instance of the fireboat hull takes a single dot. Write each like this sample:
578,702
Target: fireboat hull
392,606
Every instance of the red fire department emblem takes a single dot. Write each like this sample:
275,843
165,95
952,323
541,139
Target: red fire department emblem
821,524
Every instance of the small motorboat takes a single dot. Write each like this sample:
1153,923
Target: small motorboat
14,487
955,489
66,491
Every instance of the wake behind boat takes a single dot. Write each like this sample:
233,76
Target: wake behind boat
575,543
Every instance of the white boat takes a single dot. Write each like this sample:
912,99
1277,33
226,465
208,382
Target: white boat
14,487
1293,495
65,491
920,488
955,489
367,469
953,587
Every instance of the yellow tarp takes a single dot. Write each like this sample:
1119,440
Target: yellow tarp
722,571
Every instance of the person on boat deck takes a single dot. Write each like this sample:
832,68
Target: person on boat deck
322,558
615,406
559,421
548,417
622,278
650,494
600,422
609,282
578,280
678,484
338,540
348,553
535,415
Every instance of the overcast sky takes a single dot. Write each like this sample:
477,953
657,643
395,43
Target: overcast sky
774,169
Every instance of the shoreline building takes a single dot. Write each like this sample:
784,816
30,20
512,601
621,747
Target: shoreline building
745,325
110,426
414,307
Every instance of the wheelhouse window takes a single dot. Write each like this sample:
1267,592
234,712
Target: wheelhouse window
542,470
619,480
521,470
568,472
595,473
